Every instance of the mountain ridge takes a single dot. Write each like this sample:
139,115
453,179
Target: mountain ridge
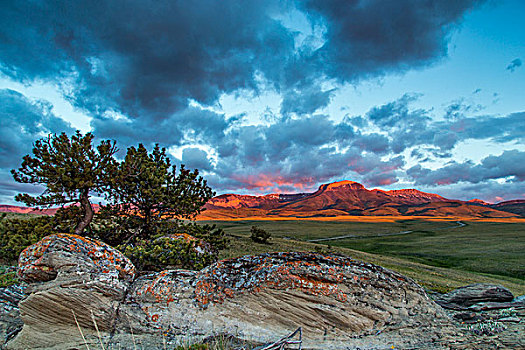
352,198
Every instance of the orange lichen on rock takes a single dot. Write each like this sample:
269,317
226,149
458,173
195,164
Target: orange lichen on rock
161,287
36,263
311,273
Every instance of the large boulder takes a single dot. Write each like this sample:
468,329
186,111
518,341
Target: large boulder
71,279
338,302
77,284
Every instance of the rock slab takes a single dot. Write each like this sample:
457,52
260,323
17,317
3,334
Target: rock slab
339,302
466,297
69,277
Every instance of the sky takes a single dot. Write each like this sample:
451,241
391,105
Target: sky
277,96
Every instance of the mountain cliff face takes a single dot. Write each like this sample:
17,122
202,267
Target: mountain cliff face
349,198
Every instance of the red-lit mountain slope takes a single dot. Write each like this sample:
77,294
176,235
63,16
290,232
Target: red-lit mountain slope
347,198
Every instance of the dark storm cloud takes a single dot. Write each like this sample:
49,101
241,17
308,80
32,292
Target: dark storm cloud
305,100
376,143
516,63
192,124
147,59
299,153
370,37
510,128
397,113
490,191
22,121
144,59
405,127
510,165
302,152
147,71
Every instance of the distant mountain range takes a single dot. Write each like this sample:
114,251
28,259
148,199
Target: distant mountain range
342,198
351,198
4,208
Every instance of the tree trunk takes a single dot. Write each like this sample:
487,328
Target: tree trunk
88,209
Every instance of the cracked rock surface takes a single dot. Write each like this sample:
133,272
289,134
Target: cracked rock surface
339,302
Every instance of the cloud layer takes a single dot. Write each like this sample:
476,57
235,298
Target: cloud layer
22,121
154,72
147,59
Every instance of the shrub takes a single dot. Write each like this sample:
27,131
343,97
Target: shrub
489,328
193,347
146,191
70,169
17,234
259,235
7,276
209,233
165,252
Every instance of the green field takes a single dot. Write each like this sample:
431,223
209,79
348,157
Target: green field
439,255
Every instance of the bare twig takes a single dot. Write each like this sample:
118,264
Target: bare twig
281,343
98,333
132,335
79,329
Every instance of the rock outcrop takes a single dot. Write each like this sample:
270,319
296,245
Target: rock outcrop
10,321
340,303
337,301
69,277
466,297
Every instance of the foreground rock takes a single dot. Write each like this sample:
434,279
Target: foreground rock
340,303
69,277
10,321
475,295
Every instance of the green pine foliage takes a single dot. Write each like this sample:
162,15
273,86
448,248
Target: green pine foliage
146,191
148,199
208,233
7,276
70,169
17,234
167,253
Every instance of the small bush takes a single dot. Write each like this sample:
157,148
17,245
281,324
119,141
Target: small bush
259,235
489,328
209,233
165,252
16,234
7,276
193,347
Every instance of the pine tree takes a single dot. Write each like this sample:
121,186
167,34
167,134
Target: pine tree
147,193
70,169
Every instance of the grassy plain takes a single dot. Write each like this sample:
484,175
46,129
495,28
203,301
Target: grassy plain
440,255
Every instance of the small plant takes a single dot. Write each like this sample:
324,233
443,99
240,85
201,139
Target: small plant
16,234
489,328
259,235
7,276
510,312
165,252
193,347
